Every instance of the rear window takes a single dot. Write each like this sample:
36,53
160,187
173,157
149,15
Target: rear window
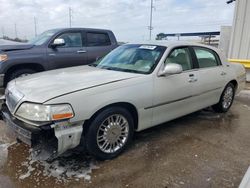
206,57
98,39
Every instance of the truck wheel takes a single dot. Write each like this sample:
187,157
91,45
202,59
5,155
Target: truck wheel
19,73
109,133
226,99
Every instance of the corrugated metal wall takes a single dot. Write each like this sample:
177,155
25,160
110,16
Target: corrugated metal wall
225,36
240,38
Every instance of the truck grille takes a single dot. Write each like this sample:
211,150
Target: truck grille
12,96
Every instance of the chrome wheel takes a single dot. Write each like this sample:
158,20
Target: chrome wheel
112,133
227,97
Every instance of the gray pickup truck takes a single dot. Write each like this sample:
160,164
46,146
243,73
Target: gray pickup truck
53,49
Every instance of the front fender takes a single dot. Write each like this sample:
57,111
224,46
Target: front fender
87,102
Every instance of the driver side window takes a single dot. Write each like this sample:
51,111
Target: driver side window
180,56
71,39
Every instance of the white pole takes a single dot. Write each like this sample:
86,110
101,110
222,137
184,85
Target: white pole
35,25
151,20
70,16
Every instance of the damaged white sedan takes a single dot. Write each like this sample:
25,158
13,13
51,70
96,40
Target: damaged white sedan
134,87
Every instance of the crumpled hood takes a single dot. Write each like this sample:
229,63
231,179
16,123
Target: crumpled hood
43,86
5,48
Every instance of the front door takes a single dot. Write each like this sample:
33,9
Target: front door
173,94
73,53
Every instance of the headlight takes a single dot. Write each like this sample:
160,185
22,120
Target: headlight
39,112
3,57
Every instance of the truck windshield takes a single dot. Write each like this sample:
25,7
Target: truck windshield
42,38
135,58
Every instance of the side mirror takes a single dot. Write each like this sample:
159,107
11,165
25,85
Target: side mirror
58,42
171,68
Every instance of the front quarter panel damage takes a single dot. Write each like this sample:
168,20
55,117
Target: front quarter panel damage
68,136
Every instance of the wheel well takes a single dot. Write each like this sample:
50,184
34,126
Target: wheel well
234,82
131,108
33,66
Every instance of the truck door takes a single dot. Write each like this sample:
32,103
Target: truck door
98,45
73,53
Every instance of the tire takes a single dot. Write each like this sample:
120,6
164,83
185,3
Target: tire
106,138
19,73
226,99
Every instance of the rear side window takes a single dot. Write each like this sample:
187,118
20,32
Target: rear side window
206,57
98,39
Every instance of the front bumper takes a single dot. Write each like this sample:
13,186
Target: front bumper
1,83
1,80
41,139
46,142
26,133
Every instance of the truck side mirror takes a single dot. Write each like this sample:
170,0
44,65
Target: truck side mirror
58,42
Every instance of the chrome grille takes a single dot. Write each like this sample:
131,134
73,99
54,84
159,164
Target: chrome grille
12,96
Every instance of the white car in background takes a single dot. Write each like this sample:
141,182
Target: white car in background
134,87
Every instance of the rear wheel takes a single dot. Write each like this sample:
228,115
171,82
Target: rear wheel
109,133
226,99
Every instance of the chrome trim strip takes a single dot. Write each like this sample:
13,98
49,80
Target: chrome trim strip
177,100
207,91
162,104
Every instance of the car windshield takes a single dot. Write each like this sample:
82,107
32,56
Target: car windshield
42,38
132,58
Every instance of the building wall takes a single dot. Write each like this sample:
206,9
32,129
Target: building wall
225,36
240,38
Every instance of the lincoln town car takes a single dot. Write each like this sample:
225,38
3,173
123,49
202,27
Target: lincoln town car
136,86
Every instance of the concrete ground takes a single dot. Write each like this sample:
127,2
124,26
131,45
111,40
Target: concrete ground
203,149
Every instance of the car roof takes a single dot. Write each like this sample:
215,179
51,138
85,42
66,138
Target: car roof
173,44
82,28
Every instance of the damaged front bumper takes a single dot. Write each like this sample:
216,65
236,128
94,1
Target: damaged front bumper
47,141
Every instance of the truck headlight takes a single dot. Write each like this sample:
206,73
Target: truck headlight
3,57
39,112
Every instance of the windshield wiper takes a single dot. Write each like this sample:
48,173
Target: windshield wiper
92,65
122,70
129,70
110,68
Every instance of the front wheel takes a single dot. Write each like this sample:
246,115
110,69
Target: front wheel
226,99
109,133
19,73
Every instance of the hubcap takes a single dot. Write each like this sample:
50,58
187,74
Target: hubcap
112,133
228,97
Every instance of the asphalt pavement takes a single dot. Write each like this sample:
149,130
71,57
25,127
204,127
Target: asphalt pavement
204,149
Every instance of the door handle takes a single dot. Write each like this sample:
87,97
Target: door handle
223,73
192,80
81,51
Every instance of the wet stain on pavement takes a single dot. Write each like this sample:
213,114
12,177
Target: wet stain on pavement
204,149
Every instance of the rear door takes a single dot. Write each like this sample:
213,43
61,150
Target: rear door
174,94
211,77
73,53
98,45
